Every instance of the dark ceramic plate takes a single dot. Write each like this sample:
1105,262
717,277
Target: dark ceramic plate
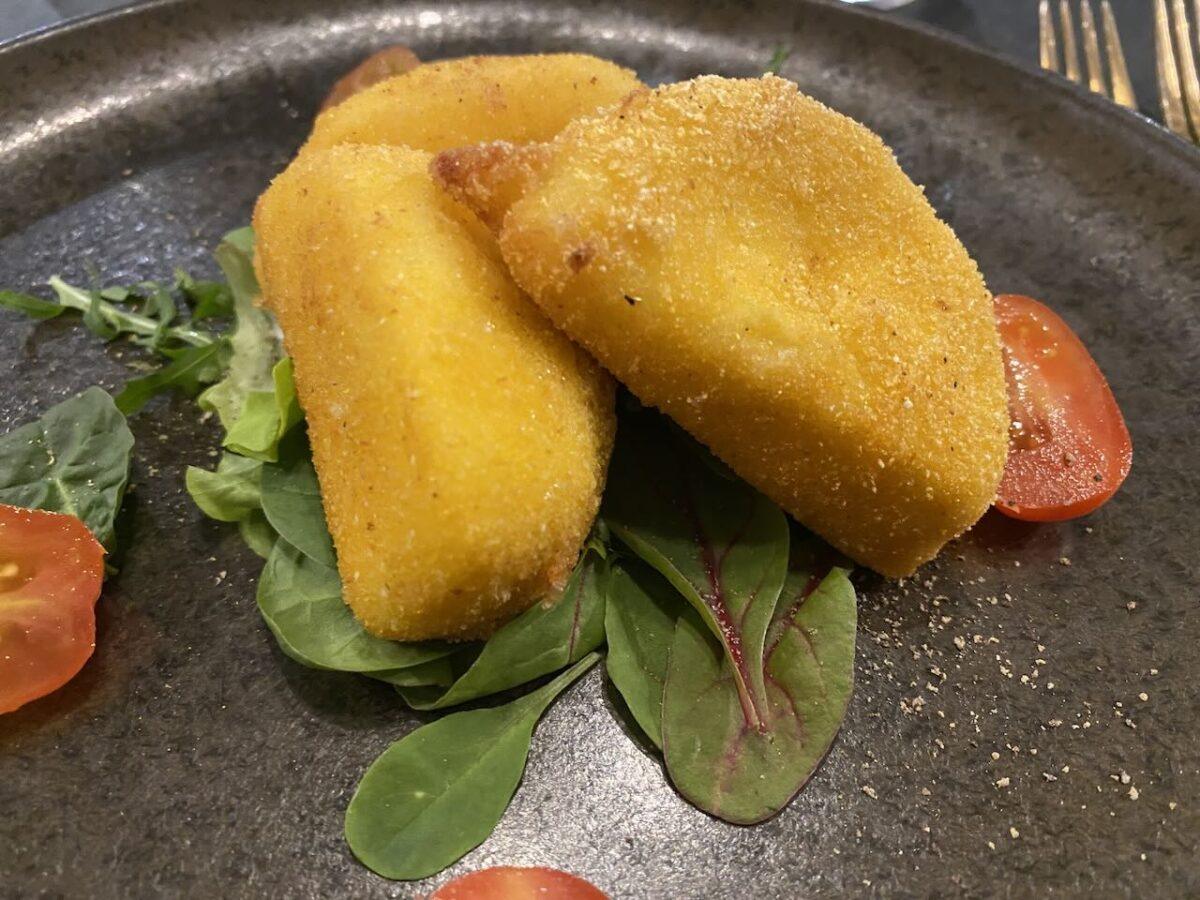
191,758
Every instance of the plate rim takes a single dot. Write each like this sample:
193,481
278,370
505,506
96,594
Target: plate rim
42,39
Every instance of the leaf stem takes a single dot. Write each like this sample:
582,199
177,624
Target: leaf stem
123,319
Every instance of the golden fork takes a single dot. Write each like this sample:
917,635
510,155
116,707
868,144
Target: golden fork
1178,86
1117,86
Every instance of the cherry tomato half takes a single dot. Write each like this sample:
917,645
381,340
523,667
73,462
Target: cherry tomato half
51,568
382,64
1068,447
511,883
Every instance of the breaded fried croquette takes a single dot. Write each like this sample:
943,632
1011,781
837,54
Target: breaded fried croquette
758,266
455,102
459,439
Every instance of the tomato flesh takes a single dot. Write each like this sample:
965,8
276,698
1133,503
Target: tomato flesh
1068,449
512,883
51,568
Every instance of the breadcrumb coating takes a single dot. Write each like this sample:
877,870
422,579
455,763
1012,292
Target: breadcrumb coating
760,268
455,102
460,441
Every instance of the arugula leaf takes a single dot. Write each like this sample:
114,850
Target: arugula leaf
32,306
209,299
721,544
257,533
745,774
116,293
74,459
439,791
189,371
301,601
639,623
266,417
778,58
541,640
230,494
291,499
160,306
254,348
108,320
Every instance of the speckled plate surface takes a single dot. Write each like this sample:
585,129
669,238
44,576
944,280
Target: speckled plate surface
1026,714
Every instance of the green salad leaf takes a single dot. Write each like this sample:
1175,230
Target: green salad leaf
439,791
74,459
543,639
301,601
105,315
34,307
639,623
189,371
722,544
291,499
778,58
235,367
256,532
254,348
437,673
208,299
745,773
230,494
266,417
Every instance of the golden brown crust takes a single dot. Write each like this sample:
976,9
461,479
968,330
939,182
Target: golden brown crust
461,442
489,178
456,102
802,310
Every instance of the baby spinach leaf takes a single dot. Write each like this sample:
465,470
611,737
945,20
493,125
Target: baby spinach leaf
721,544
257,533
440,790
301,601
189,371
435,674
74,459
254,348
541,640
231,493
266,417
639,623
32,306
291,500
717,761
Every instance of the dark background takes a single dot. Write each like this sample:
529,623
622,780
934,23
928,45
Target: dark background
1008,26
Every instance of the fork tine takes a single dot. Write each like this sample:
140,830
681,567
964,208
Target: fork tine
1047,43
1070,50
1187,65
1091,49
1121,85
1168,76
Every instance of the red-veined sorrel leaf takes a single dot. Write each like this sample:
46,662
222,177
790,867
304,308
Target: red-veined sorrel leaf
743,774
721,544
